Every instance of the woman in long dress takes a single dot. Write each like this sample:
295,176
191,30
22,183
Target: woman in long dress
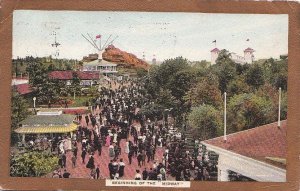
126,150
107,140
115,135
111,152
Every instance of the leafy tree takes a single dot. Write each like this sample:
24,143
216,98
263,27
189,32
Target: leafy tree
201,66
180,83
19,111
255,76
46,90
241,69
246,111
51,67
174,76
169,68
49,92
141,72
207,121
37,75
238,86
205,91
225,69
32,164
75,84
276,72
151,111
271,93
165,99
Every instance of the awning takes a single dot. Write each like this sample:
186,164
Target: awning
47,129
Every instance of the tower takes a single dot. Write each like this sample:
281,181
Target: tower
154,59
214,55
248,55
144,56
55,45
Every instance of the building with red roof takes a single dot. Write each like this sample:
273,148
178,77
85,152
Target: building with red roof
258,153
23,89
86,77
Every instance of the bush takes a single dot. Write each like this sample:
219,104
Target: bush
33,164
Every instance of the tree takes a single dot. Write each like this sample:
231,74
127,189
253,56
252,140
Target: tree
225,69
151,111
165,99
207,121
37,75
49,92
19,111
255,76
75,84
33,164
141,72
174,76
276,72
246,111
46,90
271,93
238,86
205,91
180,82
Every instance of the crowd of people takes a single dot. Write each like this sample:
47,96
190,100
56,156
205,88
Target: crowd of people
115,117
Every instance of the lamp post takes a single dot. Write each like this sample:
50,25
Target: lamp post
34,98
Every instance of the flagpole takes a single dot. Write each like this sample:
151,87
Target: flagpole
279,105
225,127
100,43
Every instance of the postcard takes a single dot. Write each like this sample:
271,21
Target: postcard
141,99
149,96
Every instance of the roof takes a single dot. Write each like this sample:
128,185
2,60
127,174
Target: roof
23,89
99,63
248,50
21,78
48,120
257,143
68,75
47,129
47,124
215,50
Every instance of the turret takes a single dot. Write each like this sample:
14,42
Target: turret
214,55
248,55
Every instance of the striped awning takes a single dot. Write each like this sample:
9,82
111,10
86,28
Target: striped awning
47,129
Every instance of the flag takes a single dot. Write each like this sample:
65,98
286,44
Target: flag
247,39
98,36
214,41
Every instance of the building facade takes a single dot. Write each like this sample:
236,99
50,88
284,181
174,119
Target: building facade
258,153
247,58
87,78
104,67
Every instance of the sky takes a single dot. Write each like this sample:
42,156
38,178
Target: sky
165,35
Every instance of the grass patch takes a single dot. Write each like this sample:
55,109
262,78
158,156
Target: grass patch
80,101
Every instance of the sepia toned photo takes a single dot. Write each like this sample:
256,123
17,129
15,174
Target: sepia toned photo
149,96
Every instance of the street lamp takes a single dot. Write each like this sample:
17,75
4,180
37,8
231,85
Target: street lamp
34,98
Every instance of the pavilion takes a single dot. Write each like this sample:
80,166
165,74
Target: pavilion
258,153
100,65
47,122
